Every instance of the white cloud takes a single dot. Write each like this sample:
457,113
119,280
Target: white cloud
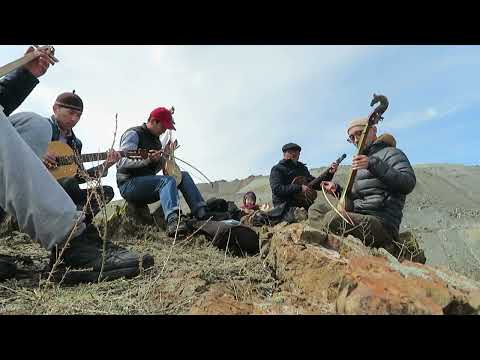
414,118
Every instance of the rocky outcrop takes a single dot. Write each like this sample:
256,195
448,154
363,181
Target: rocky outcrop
359,280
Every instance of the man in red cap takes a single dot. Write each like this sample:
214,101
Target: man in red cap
164,116
139,183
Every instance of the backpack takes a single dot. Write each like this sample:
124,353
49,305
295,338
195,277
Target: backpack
220,209
239,239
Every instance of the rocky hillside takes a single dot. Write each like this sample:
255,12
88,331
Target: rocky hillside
443,210
298,271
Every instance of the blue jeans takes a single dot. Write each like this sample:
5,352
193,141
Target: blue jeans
149,189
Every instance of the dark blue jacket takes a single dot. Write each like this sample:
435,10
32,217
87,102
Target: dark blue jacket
14,89
281,177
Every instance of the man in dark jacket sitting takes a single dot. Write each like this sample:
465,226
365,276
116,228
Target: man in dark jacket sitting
384,178
287,169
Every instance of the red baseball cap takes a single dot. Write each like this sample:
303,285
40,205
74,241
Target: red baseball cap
164,116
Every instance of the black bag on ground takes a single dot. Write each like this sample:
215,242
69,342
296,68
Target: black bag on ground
240,239
217,205
220,209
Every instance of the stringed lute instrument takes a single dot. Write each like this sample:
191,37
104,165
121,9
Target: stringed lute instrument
170,167
304,200
68,161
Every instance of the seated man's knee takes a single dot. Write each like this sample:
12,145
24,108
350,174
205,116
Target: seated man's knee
317,211
34,129
319,208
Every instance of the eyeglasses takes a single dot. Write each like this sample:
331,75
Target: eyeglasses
351,138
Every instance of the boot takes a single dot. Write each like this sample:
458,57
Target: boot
172,223
8,268
86,252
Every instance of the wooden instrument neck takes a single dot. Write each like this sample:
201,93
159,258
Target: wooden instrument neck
25,59
65,160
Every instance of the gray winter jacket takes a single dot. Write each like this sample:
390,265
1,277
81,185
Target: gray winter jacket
381,189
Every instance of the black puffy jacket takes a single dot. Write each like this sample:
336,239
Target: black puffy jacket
281,177
381,189
14,88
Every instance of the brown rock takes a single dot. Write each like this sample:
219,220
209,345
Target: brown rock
309,271
375,285
358,283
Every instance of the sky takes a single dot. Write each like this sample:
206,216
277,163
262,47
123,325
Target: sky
235,106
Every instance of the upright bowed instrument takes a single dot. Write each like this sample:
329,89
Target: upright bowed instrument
374,118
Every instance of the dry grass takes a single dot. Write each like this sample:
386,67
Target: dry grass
189,272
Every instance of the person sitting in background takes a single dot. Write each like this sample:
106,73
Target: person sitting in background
285,203
249,205
287,169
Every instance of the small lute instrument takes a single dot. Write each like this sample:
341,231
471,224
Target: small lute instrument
305,200
68,161
170,167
